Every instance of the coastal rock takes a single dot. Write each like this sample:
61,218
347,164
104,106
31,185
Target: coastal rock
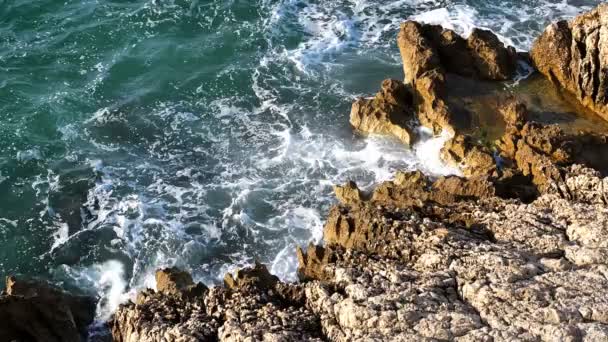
473,158
490,269
389,112
36,311
429,52
491,59
348,193
542,151
255,307
574,55
172,281
256,277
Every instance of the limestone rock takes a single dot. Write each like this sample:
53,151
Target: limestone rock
36,311
256,277
173,281
574,55
389,112
492,60
348,193
473,158
429,52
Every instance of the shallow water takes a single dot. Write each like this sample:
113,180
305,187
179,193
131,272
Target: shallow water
203,134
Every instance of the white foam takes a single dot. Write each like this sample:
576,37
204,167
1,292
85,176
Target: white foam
108,281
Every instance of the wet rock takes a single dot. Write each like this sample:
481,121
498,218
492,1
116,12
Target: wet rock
429,52
389,112
36,311
574,55
473,158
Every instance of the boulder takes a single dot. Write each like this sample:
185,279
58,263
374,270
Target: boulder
37,311
173,281
348,193
473,158
574,54
256,277
430,51
491,59
389,112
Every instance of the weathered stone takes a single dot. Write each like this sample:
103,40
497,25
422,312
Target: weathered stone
471,157
492,60
389,112
348,193
36,311
256,277
574,55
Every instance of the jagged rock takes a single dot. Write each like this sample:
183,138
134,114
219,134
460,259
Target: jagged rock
389,112
542,151
471,157
256,277
257,307
492,60
414,189
574,55
512,271
514,112
36,311
429,52
348,193
312,263
172,281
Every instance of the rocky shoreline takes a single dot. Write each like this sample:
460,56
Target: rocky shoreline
517,249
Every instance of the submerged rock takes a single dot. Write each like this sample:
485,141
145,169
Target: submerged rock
574,55
36,311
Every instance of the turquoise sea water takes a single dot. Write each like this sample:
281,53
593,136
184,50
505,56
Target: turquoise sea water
203,134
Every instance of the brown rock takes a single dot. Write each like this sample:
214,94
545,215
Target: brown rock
389,112
35,311
172,281
574,55
514,112
312,263
473,158
492,60
256,277
348,193
429,52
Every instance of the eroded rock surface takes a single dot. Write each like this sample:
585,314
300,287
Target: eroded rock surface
36,311
430,51
574,55
390,112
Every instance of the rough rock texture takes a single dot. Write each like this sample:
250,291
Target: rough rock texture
36,311
542,151
472,157
389,112
515,251
429,52
489,269
255,306
575,55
